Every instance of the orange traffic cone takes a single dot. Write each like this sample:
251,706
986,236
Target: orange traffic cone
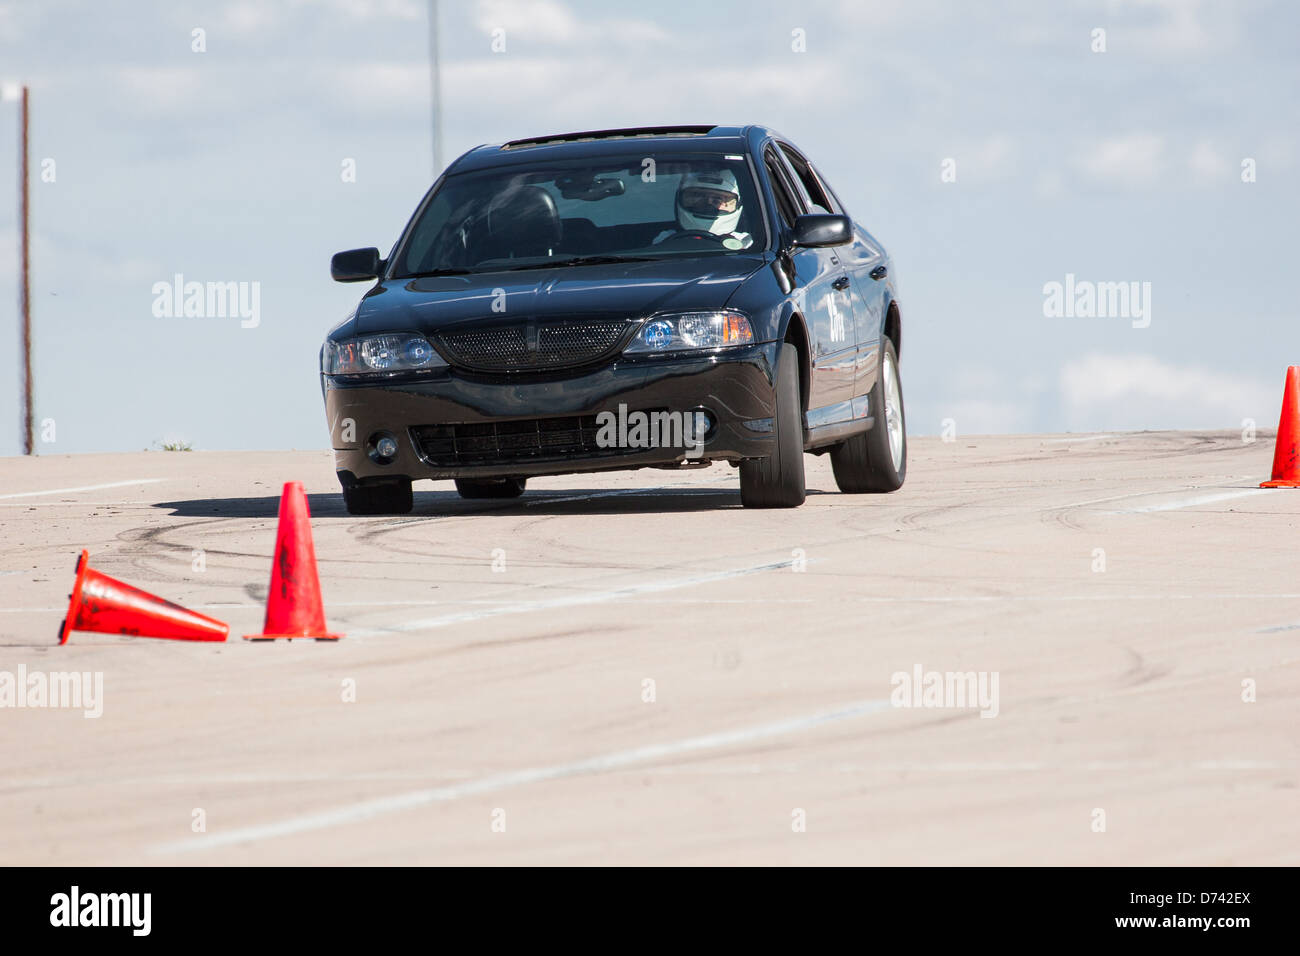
1286,467
293,608
100,603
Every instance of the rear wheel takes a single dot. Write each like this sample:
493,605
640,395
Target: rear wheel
389,497
490,487
778,481
876,460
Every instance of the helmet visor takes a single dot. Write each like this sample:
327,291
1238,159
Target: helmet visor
712,203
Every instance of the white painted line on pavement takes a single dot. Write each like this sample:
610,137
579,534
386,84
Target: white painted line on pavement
571,600
1101,596
1131,494
69,491
1192,502
507,607
369,809
1058,441
1277,629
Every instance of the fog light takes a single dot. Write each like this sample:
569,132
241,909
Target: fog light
706,426
382,448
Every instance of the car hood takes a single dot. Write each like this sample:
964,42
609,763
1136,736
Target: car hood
635,288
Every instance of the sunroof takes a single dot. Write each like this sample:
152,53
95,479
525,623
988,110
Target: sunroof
602,134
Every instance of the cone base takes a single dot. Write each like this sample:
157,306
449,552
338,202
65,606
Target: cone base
1281,483
65,629
292,637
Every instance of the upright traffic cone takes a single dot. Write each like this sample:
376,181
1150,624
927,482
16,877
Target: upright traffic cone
1286,466
293,608
100,603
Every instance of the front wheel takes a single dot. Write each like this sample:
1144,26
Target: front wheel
876,460
778,481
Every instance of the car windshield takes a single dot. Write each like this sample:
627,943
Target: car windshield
585,212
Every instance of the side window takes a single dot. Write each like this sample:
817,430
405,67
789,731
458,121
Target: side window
830,192
810,185
784,201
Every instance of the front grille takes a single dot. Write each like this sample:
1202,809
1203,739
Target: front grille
534,345
494,443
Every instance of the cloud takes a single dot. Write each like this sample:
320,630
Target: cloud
151,89
1208,165
1175,28
379,85
987,160
1133,160
981,400
551,22
559,94
981,416
545,20
367,9
1110,391
246,17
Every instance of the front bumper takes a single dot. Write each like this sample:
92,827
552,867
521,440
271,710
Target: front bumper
735,386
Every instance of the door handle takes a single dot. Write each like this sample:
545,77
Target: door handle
840,284
879,272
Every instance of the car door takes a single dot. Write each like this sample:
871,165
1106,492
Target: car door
822,292
864,264
868,268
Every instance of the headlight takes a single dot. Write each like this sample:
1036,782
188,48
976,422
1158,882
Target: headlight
691,330
379,355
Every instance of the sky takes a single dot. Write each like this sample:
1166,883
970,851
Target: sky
995,148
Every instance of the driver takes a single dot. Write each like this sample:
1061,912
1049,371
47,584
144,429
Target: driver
709,201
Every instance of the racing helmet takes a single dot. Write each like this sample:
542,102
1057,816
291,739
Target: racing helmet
708,200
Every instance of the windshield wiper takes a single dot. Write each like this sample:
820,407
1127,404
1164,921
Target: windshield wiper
433,273
583,261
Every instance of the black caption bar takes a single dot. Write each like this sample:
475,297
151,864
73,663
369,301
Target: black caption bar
331,906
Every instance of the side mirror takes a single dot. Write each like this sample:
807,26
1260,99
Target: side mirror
356,265
822,229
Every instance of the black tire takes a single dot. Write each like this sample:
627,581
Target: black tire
778,481
490,487
390,497
865,463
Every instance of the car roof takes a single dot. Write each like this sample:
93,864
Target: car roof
611,142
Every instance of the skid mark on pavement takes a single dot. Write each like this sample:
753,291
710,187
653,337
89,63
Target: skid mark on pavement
617,760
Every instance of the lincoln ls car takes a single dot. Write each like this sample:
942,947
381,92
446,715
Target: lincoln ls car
667,297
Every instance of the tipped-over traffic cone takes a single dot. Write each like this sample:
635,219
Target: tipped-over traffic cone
100,603
293,608
1286,467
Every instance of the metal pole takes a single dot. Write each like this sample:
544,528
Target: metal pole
26,287
435,84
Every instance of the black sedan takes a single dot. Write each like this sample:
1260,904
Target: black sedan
664,297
